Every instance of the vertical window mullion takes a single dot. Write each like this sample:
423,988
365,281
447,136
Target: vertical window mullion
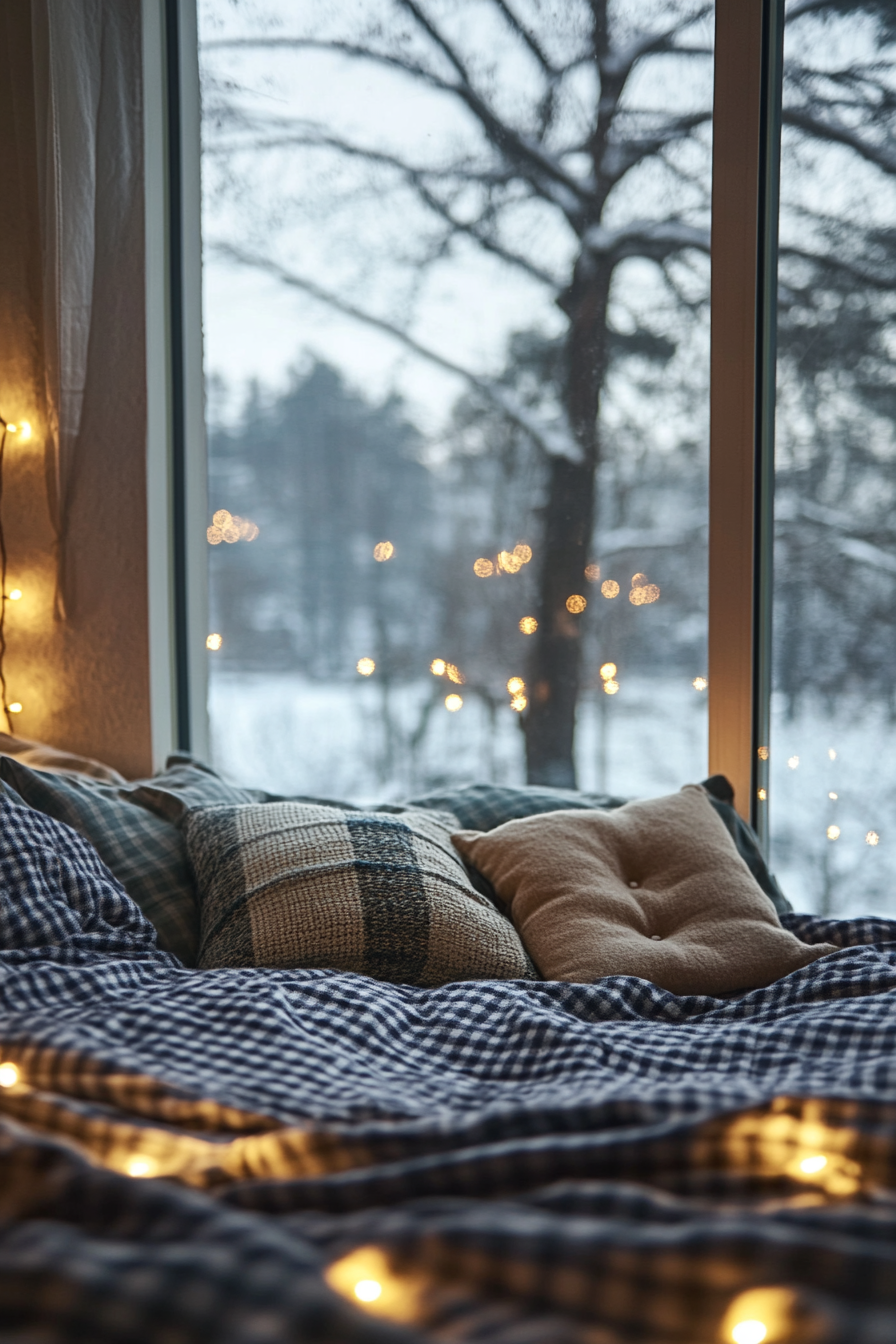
746,138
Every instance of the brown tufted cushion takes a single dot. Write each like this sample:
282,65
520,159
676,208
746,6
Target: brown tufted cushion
654,889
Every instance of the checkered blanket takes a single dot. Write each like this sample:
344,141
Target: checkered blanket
532,1163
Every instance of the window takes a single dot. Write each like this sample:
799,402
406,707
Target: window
457,343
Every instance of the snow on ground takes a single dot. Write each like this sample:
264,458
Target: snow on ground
367,743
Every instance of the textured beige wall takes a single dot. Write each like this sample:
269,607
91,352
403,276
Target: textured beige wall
83,682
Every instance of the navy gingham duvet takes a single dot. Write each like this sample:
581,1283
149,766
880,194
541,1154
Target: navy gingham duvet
539,1163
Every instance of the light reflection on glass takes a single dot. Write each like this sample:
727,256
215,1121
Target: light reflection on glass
383,550
576,603
872,838
523,552
528,625
515,685
438,667
483,568
608,670
455,675
366,666
699,683
453,703
592,573
610,588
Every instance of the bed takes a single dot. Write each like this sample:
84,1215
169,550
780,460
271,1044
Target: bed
248,1155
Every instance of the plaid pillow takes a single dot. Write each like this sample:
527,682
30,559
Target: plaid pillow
385,895
482,807
146,852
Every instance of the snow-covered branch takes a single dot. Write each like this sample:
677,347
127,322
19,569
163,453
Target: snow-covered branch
883,156
653,239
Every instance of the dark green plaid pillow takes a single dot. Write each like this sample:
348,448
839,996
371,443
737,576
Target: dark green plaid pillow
144,850
482,807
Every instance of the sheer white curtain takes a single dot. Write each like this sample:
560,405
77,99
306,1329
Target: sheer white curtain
88,112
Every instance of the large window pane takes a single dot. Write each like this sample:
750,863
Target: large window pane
833,750
456,290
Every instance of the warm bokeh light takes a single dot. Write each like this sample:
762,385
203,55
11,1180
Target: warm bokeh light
368,1290
9,1075
247,529
833,832
15,707
793,762
519,703
221,517
483,568
366,1278
230,532
455,674
608,671
438,667
576,603
523,552
611,686
592,573
22,428
749,1332
811,1165
214,642
699,683
762,753
762,795
528,625
515,685
140,1166
610,588
15,595
644,594
509,562
453,703
872,838
383,550
832,755
366,666
214,535
639,580
833,797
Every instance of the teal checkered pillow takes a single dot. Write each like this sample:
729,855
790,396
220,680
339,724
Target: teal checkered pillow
143,849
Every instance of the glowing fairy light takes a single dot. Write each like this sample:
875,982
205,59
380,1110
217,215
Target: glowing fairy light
509,562
872,838
15,595
749,1332
793,762
366,666
523,552
762,753
214,535
453,703
366,1278
528,625
814,1164
9,1075
22,428
519,703
455,675
611,686
833,797
15,707
833,832
230,532
482,568
383,550
639,580
576,603
368,1290
832,755
140,1166
438,667
644,594
592,573
759,1315
214,642
515,685
608,671
221,517
762,795
610,588
699,683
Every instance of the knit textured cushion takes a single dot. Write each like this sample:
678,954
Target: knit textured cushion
654,889
299,884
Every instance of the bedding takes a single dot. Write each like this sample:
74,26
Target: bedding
298,884
193,1156
655,888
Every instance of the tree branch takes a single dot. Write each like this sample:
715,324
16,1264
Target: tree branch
831,132
555,441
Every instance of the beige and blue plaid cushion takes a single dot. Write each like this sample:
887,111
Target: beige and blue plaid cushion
385,895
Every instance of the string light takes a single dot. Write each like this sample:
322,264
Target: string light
230,527
368,1290
438,667
523,552
214,642
23,429
519,703
515,685
455,675
528,625
482,568
608,671
872,838
576,603
15,595
758,1315
9,1075
833,832
699,683
762,753
793,762
762,795
832,755
15,707
453,703
811,1165
383,550
592,573
366,666
140,1166
833,797
610,588
749,1332
611,686
509,562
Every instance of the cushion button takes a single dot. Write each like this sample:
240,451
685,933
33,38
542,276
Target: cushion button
656,938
